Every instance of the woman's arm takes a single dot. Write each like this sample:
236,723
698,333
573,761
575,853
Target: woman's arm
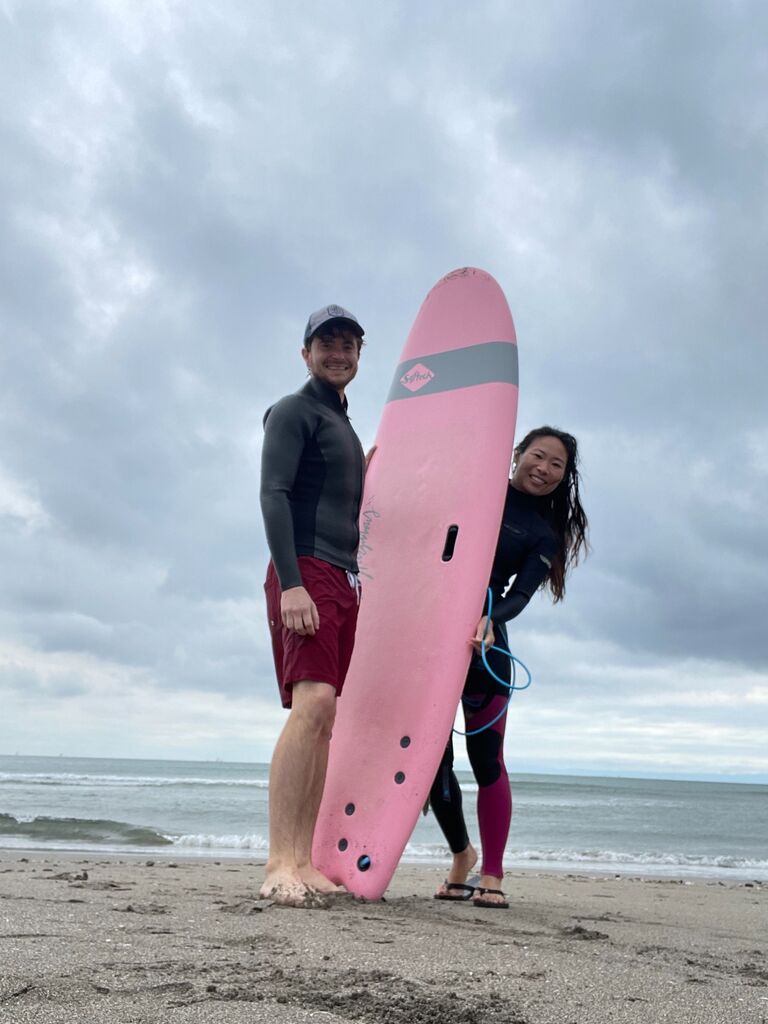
528,579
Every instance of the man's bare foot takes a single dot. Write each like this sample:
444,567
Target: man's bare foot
317,881
308,900
459,872
285,888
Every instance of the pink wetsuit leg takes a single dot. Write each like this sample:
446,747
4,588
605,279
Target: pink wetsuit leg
494,796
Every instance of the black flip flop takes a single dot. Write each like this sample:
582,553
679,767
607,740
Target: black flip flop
468,890
490,904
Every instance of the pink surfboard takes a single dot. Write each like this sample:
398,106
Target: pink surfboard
432,506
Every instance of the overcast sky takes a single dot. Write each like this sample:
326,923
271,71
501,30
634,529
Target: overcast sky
182,183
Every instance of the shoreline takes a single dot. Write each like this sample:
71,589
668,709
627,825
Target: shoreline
141,938
592,869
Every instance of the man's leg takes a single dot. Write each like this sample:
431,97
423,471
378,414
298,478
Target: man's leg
308,819
296,780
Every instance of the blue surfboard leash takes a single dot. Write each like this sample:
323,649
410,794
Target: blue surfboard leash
512,686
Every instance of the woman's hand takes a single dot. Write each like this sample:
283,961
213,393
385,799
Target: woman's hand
482,636
369,456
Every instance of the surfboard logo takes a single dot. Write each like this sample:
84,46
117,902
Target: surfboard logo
417,377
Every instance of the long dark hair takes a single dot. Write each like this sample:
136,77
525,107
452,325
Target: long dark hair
563,510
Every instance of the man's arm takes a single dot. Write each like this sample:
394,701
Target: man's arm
285,434
286,430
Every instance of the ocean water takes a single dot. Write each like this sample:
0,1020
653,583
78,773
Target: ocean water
219,809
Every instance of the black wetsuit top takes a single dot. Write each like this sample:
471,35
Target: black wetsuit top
525,549
312,469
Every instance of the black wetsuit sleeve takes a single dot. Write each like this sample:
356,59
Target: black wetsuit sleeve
286,430
529,578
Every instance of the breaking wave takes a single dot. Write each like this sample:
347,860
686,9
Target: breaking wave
66,831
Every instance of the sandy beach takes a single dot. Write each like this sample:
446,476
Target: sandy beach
91,938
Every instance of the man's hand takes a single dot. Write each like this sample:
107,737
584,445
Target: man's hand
299,611
480,632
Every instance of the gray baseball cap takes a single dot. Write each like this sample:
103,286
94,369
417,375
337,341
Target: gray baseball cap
328,315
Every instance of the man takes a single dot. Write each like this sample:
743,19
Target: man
311,487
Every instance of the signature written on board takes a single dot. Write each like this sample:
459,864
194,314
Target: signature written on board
367,518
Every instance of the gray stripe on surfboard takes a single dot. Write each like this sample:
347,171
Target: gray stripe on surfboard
489,363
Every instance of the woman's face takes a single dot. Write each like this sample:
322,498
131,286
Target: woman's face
541,467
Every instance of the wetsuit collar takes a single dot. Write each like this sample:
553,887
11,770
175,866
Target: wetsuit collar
535,501
324,393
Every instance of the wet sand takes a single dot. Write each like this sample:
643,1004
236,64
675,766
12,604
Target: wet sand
87,938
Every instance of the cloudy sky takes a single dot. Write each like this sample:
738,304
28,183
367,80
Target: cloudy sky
182,183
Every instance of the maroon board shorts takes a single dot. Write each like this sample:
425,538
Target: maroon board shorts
324,657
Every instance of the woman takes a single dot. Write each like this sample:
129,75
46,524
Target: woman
543,533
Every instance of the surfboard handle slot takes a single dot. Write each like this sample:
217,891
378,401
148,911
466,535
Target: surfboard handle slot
343,844
399,778
405,742
363,863
349,809
450,542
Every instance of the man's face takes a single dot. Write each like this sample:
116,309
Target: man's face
333,355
